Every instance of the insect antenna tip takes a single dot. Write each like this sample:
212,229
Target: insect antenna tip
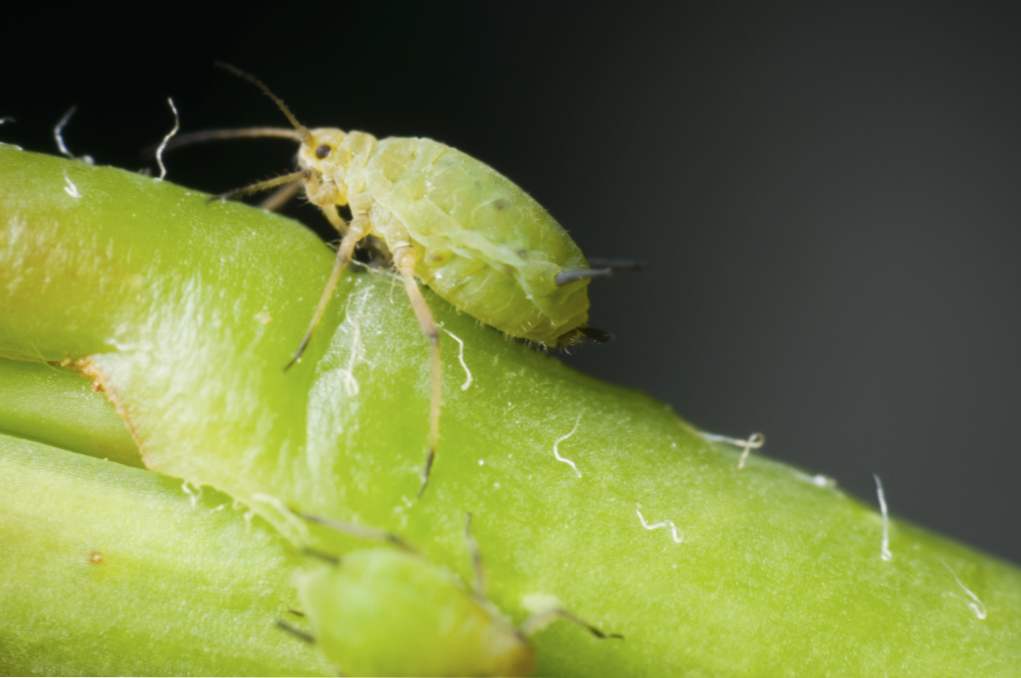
264,88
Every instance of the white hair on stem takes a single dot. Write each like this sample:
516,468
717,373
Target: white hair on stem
166,139
58,135
884,547
556,447
753,442
675,535
974,603
460,358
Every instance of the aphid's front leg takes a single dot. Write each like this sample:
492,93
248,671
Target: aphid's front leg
260,186
281,196
358,230
404,261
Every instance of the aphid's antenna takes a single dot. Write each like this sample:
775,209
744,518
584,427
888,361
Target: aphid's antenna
203,136
476,554
303,636
234,70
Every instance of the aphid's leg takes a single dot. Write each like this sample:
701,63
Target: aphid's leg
405,260
595,334
333,216
476,554
356,232
281,196
304,636
357,531
260,186
540,620
327,558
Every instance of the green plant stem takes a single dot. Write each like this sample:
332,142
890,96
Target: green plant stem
110,570
185,312
58,407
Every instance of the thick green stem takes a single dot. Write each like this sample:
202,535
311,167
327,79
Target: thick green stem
185,312
110,570
55,406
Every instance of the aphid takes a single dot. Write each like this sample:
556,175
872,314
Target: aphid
388,611
441,218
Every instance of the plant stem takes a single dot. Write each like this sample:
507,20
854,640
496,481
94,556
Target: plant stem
116,572
185,312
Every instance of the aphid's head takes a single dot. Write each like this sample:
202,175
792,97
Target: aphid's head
323,150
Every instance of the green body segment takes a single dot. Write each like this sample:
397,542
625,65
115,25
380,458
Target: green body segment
484,245
388,612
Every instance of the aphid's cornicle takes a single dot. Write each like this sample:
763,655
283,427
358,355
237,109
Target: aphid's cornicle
445,219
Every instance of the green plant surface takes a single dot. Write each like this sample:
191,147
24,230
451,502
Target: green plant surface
185,311
111,570
55,406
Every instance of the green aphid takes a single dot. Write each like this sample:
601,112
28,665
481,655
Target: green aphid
383,611
440,217
388,611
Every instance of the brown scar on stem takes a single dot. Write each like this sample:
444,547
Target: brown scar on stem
96,558
88,369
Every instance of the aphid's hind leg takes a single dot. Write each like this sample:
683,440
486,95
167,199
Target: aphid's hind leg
404,261
357,231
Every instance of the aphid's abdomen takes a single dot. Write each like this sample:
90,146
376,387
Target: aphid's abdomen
487,247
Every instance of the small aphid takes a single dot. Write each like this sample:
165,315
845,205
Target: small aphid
441,218
387,611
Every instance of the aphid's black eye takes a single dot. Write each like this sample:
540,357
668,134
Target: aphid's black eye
323,150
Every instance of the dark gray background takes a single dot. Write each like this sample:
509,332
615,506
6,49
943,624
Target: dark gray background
826,198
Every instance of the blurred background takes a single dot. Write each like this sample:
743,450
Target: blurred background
825,198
